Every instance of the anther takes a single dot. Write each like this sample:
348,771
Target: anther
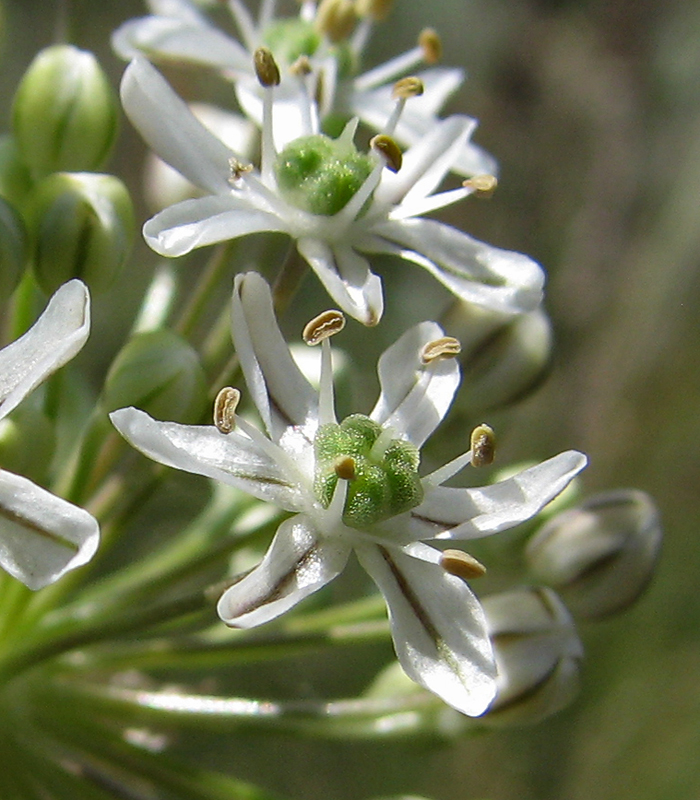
410,86
445,347
344,467
225,407
390,151
336,19
461,564
301,67
238,169
378,10
266,67
482,185
483,445
323,326
430,43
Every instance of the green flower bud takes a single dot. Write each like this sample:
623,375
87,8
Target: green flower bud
15,180
158,372
65,112
320,175
27,442
82,226
537,652
601,554
13,249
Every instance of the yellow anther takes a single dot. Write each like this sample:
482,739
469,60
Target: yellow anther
266,67
483,445
407,87
345,468
323,326
378,10
336,19
445,347
238,169
225,407
461,564
301,67
430,43
482,185
389,150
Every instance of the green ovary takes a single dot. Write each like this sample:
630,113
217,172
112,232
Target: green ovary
386,479
320,175
291,38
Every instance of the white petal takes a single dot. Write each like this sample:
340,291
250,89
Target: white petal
449,513
438,626
283,396
415,396
347,278
296,564
55,338
171,129
201,449
474,271
42,536
203,221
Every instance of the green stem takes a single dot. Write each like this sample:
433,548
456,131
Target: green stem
205,287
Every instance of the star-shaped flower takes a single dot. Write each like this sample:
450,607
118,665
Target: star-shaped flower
336,203
355,486
43,536
176,30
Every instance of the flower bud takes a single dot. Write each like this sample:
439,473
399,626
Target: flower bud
537,654
601,554
158,372
64,113
27,442
15,180
82,226
13,249
503,358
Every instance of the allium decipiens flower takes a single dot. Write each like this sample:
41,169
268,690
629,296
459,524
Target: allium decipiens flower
332,36
43,536
355,486
335,202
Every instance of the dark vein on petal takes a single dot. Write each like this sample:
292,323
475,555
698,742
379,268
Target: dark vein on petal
24,522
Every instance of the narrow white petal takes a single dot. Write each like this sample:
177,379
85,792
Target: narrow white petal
449,513
296,564
347,278
437,624
415,396
201,449
203,221
474,271
172,131
42,536
284,397
55,338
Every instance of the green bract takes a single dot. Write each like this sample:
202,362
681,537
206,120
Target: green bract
386,479
320,175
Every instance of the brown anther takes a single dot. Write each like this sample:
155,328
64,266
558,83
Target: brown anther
483,445
301,67
238,169
335,19
444,347
482,185
378,10
461,564
225,407
323,326
266,68
431,45
389,150
344,467
410,86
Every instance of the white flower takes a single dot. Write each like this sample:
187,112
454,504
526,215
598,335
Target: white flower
355,487
177,31
43,536
381,215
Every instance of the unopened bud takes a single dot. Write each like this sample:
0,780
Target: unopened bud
390,151
266,67
430,43
15,180
483,445
336,19
65,112
407,88
82,226
537,652
225,407
323,326
13,249
601,554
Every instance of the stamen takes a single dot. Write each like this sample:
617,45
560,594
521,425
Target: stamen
323,326
225,407
482,186
461,564
269,76
431,45
445,347
483,445
266,68
410,86
345,468
301,69
388,149
336,19
238,170
378,10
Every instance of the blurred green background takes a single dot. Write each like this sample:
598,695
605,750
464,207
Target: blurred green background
592,108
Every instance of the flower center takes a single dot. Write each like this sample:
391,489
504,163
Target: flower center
320,175
382,471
